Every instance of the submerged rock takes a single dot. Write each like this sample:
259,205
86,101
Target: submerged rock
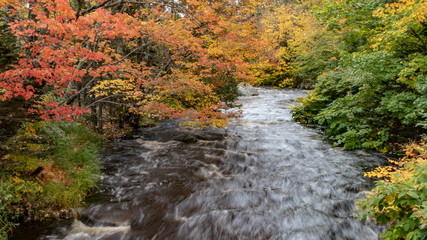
245,89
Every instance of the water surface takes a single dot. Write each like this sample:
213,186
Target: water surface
263,177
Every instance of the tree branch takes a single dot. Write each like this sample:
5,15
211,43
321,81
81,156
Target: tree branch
103,99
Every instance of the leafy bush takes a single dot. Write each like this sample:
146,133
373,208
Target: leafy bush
226,89
377,94
401,199
6,213
48,169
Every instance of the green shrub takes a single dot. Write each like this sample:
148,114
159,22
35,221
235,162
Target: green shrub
377,93
49,168
361,104
6,213
401,200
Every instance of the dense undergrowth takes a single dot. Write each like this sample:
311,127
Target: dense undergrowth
48,168
377,93
401,198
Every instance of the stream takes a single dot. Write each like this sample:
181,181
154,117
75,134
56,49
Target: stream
263,177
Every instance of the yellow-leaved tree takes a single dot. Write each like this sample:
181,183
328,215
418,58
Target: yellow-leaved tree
292,35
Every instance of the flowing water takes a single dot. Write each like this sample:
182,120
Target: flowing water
263,177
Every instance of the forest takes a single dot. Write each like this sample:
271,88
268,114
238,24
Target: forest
75,74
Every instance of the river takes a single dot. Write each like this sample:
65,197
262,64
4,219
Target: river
263,177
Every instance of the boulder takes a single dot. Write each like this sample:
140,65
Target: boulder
245,89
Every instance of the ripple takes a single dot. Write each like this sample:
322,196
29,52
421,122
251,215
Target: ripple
263,177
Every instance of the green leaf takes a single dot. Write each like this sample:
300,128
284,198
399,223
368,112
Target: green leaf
413,194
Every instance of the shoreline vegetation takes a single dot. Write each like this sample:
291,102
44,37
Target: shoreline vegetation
122,65
47,169
399,198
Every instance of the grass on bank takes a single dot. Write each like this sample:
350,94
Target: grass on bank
48,168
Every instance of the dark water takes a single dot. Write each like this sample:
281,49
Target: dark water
263,177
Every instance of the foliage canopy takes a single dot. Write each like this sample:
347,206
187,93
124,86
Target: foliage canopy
157,59
376,94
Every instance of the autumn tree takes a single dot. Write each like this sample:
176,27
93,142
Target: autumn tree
297,46
151,58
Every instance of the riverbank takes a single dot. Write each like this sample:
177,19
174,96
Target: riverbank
46,169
